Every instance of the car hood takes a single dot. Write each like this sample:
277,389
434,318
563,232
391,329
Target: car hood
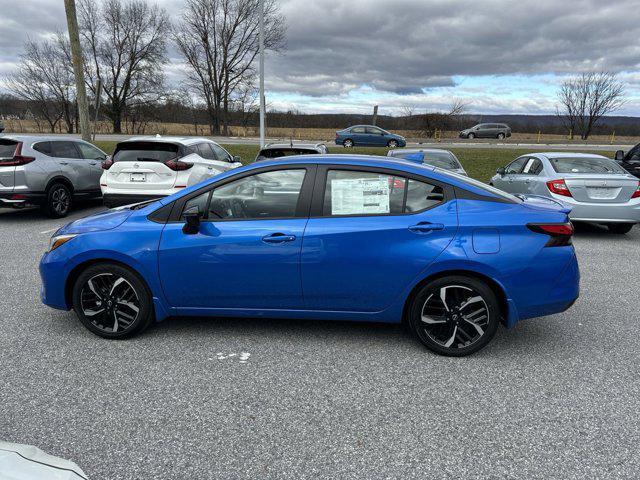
28,462
106,220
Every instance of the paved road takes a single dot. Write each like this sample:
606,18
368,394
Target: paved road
444,144
555,397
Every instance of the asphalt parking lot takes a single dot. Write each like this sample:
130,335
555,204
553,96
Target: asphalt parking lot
555,397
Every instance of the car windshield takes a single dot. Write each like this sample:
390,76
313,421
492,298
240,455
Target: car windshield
145,152
285,152
585,165
482,185
437,159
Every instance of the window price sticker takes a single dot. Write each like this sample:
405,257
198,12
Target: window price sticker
359,196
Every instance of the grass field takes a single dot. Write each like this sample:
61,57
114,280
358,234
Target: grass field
480,163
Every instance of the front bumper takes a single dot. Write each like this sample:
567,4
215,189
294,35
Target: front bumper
112,200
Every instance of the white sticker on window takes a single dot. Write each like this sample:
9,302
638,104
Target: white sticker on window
359,195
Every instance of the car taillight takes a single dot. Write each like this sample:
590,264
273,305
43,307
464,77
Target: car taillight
18,159
106,165
560,233
559,187
636,194
177,165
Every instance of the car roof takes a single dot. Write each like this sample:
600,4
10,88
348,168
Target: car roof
420,150
309,146
39,138
566,155
160,138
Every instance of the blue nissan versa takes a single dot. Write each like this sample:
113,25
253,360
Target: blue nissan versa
329,238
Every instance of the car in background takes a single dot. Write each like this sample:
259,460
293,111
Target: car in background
147,168
487,130
48,171
596,188
368,136
631,161
435,157
277,150
1,126
365,238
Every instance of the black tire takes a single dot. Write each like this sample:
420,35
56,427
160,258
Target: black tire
58,201
392,144
347,143
620,228
450,332
471,136
501,136
91,297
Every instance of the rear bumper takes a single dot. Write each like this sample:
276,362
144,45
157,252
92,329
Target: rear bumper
112,200
20,199
602,213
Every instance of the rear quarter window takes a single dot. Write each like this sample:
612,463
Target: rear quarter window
7,148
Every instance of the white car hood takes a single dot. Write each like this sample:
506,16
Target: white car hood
26,462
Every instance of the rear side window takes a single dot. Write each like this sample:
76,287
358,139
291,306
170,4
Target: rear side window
357,130
7,148
532,167
146,152
585,165
349,192
62,149
43,147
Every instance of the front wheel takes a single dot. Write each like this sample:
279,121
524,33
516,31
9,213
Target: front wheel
501,136
620,228
471,136
392,144
112,301
455,316
348,143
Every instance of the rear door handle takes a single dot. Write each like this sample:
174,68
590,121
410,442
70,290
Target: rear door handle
278,238
64,163
426,227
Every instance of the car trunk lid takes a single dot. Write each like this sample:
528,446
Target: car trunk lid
600,188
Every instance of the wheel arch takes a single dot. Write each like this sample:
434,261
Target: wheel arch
59,179
497,289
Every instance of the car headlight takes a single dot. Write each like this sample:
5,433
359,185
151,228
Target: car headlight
59,240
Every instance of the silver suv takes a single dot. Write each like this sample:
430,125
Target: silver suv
48,171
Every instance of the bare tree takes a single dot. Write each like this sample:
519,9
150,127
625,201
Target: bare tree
46,79
219,41
438,120
126,42
585,99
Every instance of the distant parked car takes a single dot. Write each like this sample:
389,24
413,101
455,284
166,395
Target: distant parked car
596,188
368,136
147,168
487,130
1,126
277,150
430,156
631,161
48,171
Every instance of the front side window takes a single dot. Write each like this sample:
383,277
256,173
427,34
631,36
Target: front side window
62,149
516,166
585,165
263,195
89,152
204,150
220,153
374,130
357,130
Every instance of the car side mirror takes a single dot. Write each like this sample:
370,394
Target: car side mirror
192,221
619,155
236,158
501,171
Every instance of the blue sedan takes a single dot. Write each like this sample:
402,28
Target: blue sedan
325,238
368,136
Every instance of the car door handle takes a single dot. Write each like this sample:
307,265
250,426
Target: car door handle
426,227
278,238
64,163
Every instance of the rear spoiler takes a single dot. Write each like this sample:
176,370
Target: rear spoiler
547,200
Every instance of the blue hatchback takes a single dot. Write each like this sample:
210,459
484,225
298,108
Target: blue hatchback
368,136
327,238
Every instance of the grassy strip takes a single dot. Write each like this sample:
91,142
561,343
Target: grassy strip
480,163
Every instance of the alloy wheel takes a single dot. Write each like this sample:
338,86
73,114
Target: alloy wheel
348,143
60,200
110,302
454,316
393,144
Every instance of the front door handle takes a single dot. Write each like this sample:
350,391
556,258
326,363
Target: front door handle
278,238
426,227
64,163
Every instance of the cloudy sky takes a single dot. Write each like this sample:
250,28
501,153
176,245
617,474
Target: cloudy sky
501,56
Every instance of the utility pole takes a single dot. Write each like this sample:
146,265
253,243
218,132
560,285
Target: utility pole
375,115
262,100
78,69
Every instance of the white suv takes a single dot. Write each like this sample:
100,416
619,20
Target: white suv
145,168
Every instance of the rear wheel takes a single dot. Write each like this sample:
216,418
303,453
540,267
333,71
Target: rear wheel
455,316
112,301
58,201
620,228
348,143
